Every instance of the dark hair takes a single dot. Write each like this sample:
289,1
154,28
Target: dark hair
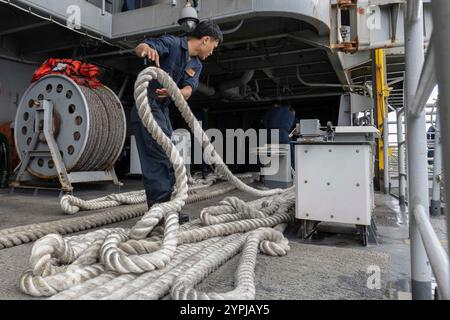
207,28
282,102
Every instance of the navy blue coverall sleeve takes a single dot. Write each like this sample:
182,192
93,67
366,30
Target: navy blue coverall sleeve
194,80
162,44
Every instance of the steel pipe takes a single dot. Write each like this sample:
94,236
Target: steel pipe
417,155
441,31
386,179
232,30
327,85
401,160
108,54
123,87
206,90
435,205
427,82
33,26
414,10
18,60
436,254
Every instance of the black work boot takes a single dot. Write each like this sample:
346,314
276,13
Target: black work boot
183,218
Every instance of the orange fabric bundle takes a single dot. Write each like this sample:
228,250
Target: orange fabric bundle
82,73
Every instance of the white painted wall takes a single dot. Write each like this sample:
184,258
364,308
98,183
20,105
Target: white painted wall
14,80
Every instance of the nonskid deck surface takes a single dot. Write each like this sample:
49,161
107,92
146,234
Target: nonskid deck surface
328,266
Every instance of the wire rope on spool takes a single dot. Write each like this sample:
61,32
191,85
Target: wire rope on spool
89,126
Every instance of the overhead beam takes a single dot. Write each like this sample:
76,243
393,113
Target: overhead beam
25,28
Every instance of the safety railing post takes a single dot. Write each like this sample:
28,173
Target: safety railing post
401,160
435,205
417,150
386,177
441,32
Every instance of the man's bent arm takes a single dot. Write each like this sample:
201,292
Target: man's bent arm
186,92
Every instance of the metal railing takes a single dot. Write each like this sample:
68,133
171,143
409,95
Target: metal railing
439,260
106,5
433,143
427,82
427,254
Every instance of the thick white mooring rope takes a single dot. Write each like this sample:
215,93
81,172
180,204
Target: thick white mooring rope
71,204
97,263
23,234
64,265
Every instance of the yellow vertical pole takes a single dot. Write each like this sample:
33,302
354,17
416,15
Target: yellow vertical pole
382,94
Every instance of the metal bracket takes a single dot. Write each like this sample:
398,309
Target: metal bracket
44,125
360,25
47,107
346,3
346,38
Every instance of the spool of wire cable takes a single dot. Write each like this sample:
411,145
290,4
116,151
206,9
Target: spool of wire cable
89,126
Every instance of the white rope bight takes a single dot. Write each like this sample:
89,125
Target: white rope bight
23,234
151,261
72,205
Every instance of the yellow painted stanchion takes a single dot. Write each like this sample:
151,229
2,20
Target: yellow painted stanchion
382,113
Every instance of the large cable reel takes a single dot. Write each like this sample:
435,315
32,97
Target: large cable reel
89,126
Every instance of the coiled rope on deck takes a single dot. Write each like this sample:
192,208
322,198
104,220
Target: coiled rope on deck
62,264
58,263
24,234
71,205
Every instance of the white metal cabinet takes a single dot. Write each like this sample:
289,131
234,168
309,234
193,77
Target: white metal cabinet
334,182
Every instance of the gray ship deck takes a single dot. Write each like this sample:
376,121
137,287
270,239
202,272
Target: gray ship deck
329,266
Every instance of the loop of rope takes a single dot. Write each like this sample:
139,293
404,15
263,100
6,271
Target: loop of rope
23,234
147,249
